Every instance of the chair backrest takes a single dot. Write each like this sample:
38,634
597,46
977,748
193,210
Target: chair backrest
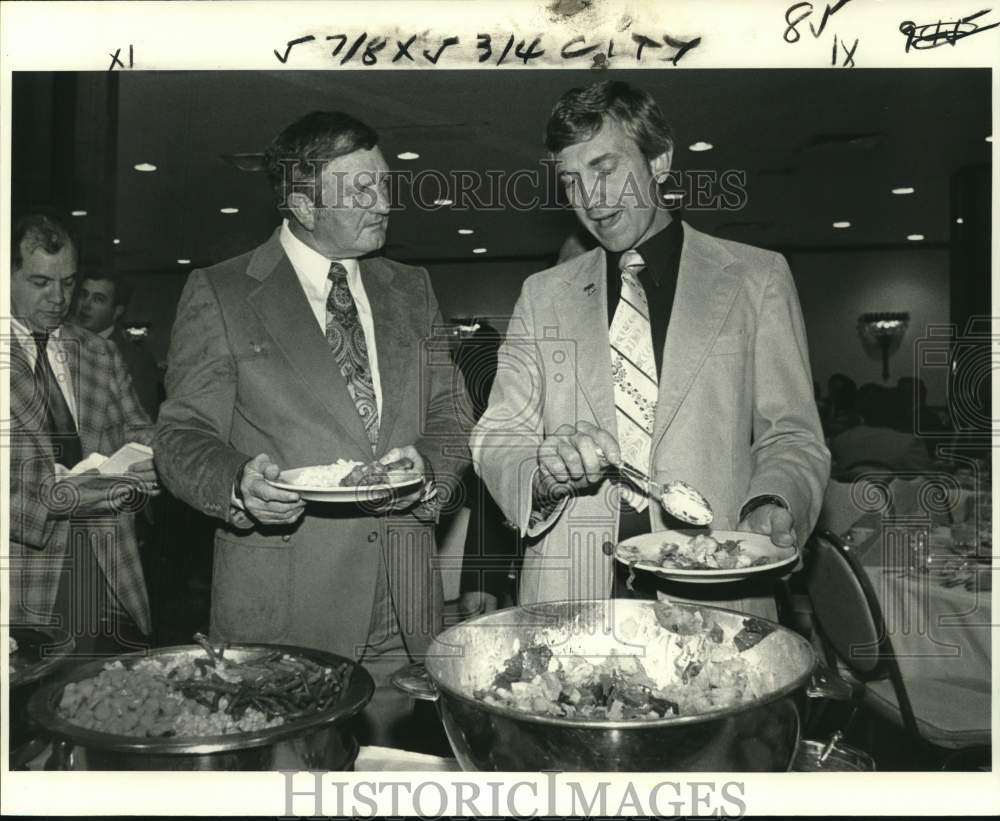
843,608
850,618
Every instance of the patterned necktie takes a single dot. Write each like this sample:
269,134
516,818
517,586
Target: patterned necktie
633,371
62,426
347,342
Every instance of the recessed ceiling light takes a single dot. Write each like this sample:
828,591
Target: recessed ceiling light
144,166
444,202
183,262
915,237
989,139
229,210
701,145
465,231
116,241
842,224
479,250
902,190
78,213
408,155
959,221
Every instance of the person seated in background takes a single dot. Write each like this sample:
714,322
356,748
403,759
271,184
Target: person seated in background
100,305
874,441
838,412
913,415
74,562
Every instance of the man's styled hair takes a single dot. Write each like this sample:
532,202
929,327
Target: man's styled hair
122,290
582,112
34,232
296,157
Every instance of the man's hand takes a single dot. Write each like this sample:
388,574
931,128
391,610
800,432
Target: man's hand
574,458
390,502
265,503
771,520
145,472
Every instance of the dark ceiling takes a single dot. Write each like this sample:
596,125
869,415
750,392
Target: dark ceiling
816,145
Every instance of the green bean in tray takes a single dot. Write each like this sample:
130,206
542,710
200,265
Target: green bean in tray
186,696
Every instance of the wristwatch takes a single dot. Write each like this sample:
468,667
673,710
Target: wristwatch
760,501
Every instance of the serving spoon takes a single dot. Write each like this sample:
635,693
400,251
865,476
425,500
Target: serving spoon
678,498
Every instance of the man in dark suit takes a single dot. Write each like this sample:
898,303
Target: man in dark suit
101,302
306,350
74,562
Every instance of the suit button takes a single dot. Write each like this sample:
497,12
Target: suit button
286,538
608,548
373,536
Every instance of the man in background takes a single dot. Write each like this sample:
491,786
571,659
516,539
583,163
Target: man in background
101,302
74,562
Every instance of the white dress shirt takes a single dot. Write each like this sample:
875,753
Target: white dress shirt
58,359
313,270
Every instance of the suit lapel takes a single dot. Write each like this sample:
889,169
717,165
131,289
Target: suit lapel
282,306
396,341
705,294
27,408
86,371
582,309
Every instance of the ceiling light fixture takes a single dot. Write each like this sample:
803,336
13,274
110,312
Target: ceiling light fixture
914,237
408,155
116,241
444,201
959,221
906,190
465,231
78,213
183,262
229,210
842,224
144,166
701,146
479,250
989,138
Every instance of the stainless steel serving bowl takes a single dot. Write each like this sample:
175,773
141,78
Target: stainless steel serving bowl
758,735
314,742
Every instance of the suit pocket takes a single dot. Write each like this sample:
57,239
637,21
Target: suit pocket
251,590
729,344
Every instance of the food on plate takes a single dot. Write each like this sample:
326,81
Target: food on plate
700,552
686,664
375,473
195,696
325,475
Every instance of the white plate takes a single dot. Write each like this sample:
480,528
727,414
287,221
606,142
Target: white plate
647,549
335,493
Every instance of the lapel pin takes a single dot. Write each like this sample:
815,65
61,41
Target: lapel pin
589,289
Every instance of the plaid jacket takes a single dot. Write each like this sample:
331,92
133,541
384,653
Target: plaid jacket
42,520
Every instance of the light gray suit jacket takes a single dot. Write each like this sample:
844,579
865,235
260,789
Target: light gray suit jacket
736,415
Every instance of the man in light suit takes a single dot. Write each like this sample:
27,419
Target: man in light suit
306,350
677,352
74,561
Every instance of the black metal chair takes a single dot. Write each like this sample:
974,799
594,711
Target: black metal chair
854,636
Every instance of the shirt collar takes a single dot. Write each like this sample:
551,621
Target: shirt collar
659,251
309,262
24,333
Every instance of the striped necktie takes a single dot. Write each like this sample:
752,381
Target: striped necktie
62,426
346,338
633,371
